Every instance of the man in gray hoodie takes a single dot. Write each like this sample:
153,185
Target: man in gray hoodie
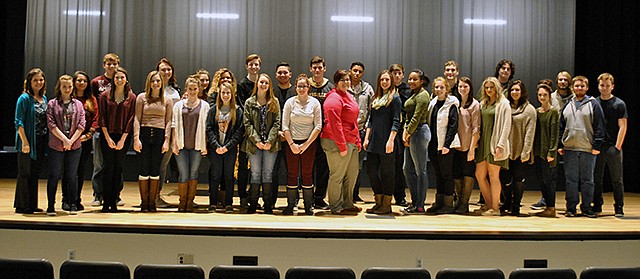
581,134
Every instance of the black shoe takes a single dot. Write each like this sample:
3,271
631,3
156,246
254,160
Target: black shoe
570,213
590,213
619,212
80,207
268,210
66,206
319,203
37,210
24,211
73,210
51,211
288,210
402,202
357,199
597,208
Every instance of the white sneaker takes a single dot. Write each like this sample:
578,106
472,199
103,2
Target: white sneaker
96,203
120,203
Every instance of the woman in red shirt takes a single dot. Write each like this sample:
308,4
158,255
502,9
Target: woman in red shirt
340,139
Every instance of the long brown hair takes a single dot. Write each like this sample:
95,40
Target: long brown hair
27,82
90,102
379,91
127,87
232,102
272,101
147,88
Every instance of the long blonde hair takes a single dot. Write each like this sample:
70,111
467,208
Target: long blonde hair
272,101
147,88
499,96
232,102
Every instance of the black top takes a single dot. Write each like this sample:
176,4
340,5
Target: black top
613,109
283,95
405,93
381,122
245,86
234,133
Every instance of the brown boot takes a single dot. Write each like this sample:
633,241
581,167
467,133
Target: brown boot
191,194
144,194
385,208
549,212
378,198
182,191
154,185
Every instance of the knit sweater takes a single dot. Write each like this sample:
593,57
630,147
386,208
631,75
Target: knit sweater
416,107
545,143
523,130
178,126
501,129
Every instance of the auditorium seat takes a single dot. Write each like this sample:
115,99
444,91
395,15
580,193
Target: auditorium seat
94,270
26,269
543,273
470,273
395,273
610,273
243,272
168,271
308,272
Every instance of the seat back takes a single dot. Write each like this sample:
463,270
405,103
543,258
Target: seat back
470,273
94,270
610,273
546,273
308,272
26,269
395,273
243,272
168,271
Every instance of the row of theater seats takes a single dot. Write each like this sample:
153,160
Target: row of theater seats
36,269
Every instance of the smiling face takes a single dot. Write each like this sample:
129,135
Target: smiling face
344,83
605,87
543,96
489,89
451,73
81,82
516,92
580,88
110,67
414,81
193,88
440,89
263,83
385,81
66,87
463,88
120,79
283,75
37,82
563,81
302,87
166,70
156,83
203,81
253,67
225,94
505,72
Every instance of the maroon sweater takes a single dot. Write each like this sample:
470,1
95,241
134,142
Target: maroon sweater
117,118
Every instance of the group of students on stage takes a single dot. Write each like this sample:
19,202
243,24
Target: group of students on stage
321,131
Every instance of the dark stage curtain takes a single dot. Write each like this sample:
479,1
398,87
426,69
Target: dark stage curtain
607,41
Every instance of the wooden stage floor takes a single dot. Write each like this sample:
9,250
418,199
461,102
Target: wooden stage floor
323,224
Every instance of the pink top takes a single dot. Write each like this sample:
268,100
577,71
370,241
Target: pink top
341,119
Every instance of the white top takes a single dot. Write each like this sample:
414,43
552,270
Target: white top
301,119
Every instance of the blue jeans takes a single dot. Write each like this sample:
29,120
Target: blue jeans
188,161
415,165
63,163
578,170
262,162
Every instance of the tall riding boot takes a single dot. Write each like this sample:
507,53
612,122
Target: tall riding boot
191,194
292,196
307,196
144,194
457,191
437,204
182,191
464,196
385,207
507,193
378,198
267,198
154,186
254,193
518,190
447,205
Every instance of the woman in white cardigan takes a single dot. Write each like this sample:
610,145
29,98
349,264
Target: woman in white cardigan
189,141
493,148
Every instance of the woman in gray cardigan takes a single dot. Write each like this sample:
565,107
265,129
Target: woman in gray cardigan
523,129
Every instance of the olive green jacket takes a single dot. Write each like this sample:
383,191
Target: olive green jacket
251,121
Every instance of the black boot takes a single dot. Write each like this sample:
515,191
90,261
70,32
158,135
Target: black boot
437,204
507,193
457,191
292,196
267,198
518,189
254,192
307,196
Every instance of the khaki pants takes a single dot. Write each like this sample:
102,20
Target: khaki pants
343,174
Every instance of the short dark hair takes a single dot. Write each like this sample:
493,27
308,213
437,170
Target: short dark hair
357,63
283,64
317,59
339,75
